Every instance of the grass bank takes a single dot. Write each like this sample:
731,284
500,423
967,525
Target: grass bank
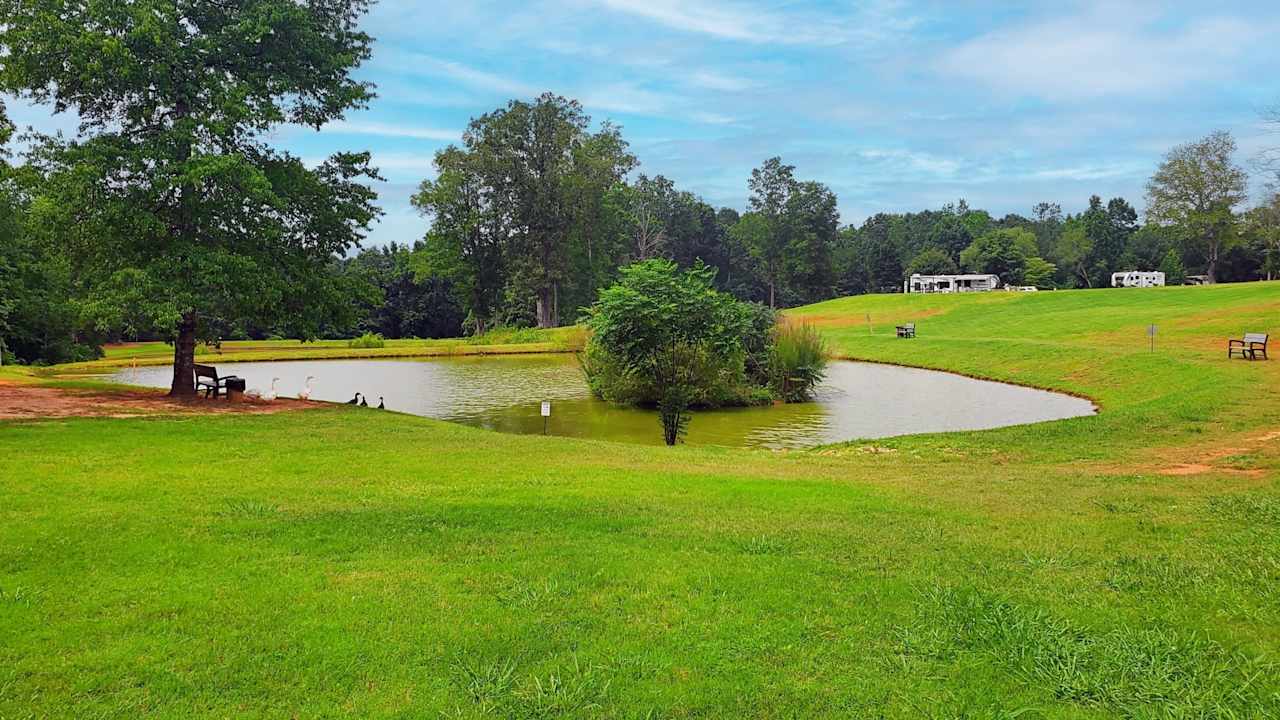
498,342
347,562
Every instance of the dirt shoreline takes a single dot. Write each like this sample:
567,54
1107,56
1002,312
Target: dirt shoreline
23,401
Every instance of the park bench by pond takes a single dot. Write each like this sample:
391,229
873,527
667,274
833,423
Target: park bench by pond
1249,346
907,331
207,379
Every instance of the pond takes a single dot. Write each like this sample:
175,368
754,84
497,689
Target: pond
504,393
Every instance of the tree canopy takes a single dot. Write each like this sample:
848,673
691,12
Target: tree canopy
177,215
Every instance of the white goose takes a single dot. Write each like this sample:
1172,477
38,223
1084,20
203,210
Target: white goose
305,392
257,394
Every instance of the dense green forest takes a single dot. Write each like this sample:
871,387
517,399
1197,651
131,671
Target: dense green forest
537,209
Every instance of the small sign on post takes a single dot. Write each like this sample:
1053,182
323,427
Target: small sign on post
1151,333
546,413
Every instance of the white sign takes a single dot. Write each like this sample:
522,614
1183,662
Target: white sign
546,408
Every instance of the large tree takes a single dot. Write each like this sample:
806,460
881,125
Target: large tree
814,223
767,239
1195,190
467,237
527,190
1074,250
176,214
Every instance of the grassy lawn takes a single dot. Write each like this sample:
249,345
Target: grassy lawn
346,562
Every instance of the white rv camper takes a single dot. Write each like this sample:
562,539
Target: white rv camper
950,283
1137,278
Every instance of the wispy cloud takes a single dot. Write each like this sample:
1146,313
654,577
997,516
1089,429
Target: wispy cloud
1092,172
786,24
917,161
421,163
412,63
712,80
392,130
627,98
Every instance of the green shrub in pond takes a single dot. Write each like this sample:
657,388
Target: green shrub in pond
797,361
666,338
368,340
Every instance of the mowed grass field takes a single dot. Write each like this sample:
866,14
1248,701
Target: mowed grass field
350,563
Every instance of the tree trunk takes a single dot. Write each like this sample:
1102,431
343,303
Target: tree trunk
545,308
772,306
184,358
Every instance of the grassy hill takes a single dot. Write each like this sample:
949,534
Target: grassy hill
341,562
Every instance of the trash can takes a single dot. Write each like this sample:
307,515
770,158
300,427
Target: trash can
235,387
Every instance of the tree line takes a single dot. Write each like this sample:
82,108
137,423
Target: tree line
170,215
533,213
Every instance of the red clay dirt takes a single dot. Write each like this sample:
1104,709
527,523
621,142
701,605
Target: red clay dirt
34,402
1208,460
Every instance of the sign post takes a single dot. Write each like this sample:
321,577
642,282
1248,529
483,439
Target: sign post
1151,333
546,413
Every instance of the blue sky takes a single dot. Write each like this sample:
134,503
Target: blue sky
896,105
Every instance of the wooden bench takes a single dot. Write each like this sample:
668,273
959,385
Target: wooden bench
207,379
1249,347
907,331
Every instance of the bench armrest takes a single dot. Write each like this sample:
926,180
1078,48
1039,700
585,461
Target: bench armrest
1234,342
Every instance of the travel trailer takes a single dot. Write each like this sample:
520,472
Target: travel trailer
1137,278
950,283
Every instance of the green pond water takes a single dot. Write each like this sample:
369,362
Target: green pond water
505,393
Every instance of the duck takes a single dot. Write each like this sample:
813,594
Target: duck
364,401
355,400
381,405
305,392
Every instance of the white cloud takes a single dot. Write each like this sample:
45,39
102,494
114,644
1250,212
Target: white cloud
618,97
758,24
1106,52
625,98
392,130
710,118
1092,172
926,163
712,80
